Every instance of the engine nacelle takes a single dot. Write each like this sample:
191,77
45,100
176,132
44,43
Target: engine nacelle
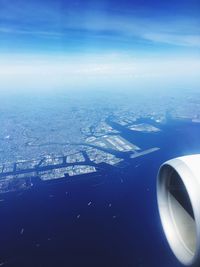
178,194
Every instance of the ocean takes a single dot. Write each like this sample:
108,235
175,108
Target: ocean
106,220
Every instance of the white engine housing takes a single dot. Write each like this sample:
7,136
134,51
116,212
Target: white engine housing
178,195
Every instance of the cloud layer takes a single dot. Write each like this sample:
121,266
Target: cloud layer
114,70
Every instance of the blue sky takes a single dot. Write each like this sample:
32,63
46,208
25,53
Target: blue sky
73,31
103,25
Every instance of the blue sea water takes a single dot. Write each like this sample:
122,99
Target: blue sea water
104,221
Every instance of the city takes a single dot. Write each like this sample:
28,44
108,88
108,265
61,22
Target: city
54,152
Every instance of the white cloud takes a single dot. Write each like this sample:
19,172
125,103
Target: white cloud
179,31
115,70
174,39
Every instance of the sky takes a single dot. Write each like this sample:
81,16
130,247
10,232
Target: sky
48,43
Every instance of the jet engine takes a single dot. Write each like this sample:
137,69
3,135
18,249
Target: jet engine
178,195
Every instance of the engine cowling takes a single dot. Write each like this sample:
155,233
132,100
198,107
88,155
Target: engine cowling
178,195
